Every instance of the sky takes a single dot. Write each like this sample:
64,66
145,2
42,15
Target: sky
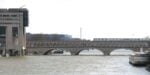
96,18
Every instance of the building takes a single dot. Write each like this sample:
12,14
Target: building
12,31
48,37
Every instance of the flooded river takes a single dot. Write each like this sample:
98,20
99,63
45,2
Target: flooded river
69,65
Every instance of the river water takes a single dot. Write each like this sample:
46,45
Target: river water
69,65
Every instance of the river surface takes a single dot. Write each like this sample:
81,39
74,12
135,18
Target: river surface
69,65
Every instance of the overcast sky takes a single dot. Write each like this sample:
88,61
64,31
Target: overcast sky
97,18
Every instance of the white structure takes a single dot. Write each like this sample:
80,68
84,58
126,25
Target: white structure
12,31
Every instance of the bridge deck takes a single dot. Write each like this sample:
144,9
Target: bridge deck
88,44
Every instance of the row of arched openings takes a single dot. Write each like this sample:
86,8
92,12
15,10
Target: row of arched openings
86,52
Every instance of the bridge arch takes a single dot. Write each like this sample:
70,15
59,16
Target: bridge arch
90,52
47,52
107,51
122,51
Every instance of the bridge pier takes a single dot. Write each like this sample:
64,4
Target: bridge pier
48,52
106,54
74,51
106,51
73,54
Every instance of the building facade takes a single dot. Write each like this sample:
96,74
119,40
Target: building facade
12,31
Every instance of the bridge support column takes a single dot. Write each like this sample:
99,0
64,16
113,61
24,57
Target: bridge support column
106,51
74,51
106,54
73,54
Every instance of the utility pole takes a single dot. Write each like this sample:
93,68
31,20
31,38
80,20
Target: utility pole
23,4
80,33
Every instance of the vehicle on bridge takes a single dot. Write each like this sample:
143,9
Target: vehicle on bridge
139,58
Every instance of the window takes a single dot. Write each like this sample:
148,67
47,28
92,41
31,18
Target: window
15,31
2,30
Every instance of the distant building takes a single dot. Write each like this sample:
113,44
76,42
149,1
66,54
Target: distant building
12,31
48,37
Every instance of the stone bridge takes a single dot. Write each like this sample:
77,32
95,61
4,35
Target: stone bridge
75,47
